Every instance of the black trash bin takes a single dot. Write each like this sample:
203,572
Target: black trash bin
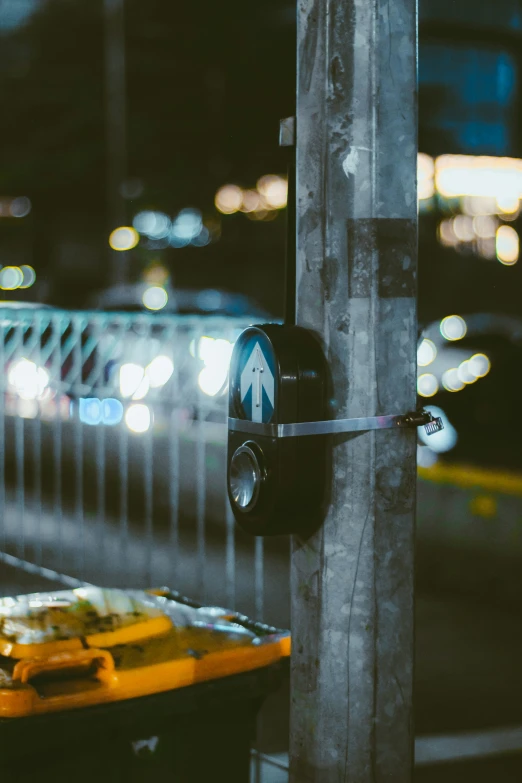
159,688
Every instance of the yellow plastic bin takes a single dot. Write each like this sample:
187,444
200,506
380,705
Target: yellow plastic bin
109,685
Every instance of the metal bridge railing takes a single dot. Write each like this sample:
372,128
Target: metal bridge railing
113,467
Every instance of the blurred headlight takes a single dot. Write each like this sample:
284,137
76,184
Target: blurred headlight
155,297
27,379
211,380
215,355
159,371
138,418
133,381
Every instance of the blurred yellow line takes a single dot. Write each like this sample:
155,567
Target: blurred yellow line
468,477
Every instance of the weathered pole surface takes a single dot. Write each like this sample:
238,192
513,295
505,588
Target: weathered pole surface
352,581
116,126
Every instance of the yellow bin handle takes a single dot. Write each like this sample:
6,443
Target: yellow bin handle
100,662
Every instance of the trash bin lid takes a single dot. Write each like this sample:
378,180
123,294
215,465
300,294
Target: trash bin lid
151,642
48,623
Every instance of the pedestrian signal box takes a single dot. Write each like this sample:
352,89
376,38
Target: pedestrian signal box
276,483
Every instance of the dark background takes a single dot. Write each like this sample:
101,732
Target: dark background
205,92
206,86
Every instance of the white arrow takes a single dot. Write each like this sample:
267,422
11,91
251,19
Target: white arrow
258,376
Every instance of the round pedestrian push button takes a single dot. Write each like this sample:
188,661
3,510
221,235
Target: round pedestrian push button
245,477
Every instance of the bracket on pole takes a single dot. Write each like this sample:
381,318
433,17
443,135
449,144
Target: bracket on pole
301,429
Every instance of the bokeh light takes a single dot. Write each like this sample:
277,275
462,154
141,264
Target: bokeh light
155,297
187,225
453,327
228,199
27,379
446,233
507,245
479,176
463,228
112,411
159,371
425,175
124,238
508,203
156,274
479,365
211,380
29,276
485,226
177,241
251,200
478,205
451,380
90,411
133,381
11,278
155,225
426,353
427,385
138,418
274,190
215,355
202,239
93,411
20,207
465,374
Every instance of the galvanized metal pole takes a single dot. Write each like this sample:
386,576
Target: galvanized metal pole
352,582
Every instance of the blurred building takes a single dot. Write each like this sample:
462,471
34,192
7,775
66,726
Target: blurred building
204,90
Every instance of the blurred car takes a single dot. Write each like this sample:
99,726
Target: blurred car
469,368
469,518
143,297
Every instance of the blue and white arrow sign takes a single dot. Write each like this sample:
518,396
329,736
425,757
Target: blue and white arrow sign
257,389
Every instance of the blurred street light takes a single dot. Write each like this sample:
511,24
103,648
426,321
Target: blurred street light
453,327
124,238
138,418
155,297
507,245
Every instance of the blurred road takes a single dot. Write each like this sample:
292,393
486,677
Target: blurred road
218,565
469,653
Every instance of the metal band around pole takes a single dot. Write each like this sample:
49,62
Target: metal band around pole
333,427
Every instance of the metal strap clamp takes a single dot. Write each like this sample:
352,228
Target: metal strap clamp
420,418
